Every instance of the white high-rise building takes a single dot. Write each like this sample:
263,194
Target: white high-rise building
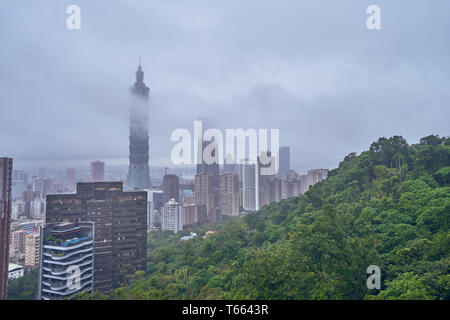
171,217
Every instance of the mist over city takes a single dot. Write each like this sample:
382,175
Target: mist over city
310,69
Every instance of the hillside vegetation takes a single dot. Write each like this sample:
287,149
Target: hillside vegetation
388,206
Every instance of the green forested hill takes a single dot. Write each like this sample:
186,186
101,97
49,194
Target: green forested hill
388,206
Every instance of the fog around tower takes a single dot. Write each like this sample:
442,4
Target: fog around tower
308,68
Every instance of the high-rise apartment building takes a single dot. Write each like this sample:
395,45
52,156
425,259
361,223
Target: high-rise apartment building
171,187
67,260
229,194
203,191
6,167
32,250
120,242
97,171
193,215
285,160
211,166
139,171
171,217
17,241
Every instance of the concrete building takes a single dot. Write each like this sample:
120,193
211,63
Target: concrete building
120,242
171,188
250,187
229,194
203,191
285,160
97,171
15,271
193,215
32,250
6,167
171,217
67,256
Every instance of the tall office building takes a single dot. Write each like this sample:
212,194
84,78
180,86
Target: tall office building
250,187
229,194
203,191
120,242
6,165
70,176
285,160
139,171
67,258
97,171
171,217
171,187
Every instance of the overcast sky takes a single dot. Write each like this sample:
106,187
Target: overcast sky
309,68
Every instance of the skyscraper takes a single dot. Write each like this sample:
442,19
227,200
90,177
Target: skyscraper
97,171
171,217
229,194
285,160
120,242
203,191
171,187
211,168
6,165
139,171
250,187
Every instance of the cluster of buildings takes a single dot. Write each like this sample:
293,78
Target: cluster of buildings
215,192
85,233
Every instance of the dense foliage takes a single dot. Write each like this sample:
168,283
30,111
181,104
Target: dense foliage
388,206
24,288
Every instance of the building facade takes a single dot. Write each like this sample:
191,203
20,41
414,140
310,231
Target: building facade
67,256
32,250
171,187
203,191
171,217
120,242
6,167
250,187
97,171
229,194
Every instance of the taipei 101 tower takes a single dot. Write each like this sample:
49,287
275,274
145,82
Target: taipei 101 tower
138,171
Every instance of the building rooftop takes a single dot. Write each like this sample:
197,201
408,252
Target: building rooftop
13,266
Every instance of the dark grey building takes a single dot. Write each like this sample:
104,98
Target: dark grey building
6,165
120,242
171,187
139,171
285,160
